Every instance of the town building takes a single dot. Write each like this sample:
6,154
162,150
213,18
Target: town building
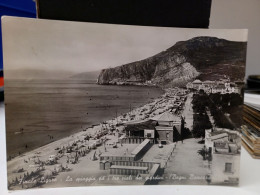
196,84
129,162
127,155
165,127
169,127
223,151
222,86
128,158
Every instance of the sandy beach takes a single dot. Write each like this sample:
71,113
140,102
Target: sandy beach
74,154
63,107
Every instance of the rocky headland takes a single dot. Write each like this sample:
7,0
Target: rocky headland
204,58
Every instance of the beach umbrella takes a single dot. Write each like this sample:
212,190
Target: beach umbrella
93,158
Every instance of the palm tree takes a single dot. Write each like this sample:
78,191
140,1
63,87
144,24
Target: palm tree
203,152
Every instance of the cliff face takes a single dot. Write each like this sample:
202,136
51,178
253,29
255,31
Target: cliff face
206,58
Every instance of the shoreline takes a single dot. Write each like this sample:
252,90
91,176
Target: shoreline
30,162
79,132
100,108
95,125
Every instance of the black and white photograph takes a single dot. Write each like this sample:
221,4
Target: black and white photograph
91,104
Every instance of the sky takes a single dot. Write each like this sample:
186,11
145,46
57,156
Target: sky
77,47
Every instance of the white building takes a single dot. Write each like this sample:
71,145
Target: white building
224,147
222,86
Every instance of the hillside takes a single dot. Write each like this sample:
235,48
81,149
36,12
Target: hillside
205,58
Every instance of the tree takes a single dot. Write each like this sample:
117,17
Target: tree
203,152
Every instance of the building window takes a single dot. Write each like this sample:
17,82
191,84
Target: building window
228,167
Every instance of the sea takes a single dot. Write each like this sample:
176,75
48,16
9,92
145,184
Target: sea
42,111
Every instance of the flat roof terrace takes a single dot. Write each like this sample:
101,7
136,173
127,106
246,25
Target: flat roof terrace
124,150
128,167
158,155
140,147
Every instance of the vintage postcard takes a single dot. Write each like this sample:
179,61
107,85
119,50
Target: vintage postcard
99,104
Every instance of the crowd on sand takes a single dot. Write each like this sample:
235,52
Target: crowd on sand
36,167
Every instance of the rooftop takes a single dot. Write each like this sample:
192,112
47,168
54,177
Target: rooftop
128,167
140,147
140,126
227,148
124,150
219,136
164,128
209,82
196,81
